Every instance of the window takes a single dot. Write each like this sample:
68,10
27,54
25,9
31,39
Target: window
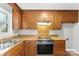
3,22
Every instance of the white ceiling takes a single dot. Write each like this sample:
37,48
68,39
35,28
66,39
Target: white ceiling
49,6
6,6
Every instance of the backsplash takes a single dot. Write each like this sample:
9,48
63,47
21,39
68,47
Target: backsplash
28,32
7,36
35,32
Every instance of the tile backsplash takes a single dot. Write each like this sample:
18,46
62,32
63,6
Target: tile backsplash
28,32
35,32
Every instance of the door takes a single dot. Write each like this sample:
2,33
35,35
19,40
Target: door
67,32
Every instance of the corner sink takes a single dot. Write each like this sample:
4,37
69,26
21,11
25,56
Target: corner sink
8,43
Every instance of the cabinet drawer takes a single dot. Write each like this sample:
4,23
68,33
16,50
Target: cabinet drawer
30,42
59,42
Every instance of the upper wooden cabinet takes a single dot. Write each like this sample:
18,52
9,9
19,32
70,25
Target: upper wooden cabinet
30,17
16,16
16,19
69,16
56,21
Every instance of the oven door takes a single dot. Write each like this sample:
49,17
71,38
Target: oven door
45,49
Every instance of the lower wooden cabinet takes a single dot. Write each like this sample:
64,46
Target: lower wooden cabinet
18,50
59,48
30,48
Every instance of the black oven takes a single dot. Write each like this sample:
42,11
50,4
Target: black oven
44,46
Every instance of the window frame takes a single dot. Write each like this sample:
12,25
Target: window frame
5,12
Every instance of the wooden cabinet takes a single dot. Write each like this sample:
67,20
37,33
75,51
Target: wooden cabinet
56,21
29,19
59,48
18,50
57,17
16,16
16,19
69,16
30,48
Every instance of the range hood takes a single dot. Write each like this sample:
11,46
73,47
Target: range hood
43,23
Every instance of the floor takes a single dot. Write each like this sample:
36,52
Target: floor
71,53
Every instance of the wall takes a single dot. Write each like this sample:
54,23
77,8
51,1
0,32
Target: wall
76,37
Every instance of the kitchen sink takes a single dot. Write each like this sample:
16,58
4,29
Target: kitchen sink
8,43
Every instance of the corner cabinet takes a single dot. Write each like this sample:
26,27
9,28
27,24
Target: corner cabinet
30,48
18,50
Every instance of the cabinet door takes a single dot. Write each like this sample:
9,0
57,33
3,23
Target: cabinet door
29,20
56,21
69,16
16,19
25,22
59,48
20,53
30,48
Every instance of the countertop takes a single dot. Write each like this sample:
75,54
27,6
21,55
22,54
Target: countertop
33,37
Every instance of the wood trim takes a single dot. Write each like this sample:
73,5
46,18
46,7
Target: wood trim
15,6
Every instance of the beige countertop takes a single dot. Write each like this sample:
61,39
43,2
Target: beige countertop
29,37
33,37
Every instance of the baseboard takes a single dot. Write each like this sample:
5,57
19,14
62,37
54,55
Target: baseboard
73,50
69,49
76,51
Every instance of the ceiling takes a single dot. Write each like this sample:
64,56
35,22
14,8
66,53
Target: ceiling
6,7
49,6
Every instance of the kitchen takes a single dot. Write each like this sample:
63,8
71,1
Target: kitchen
29,29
